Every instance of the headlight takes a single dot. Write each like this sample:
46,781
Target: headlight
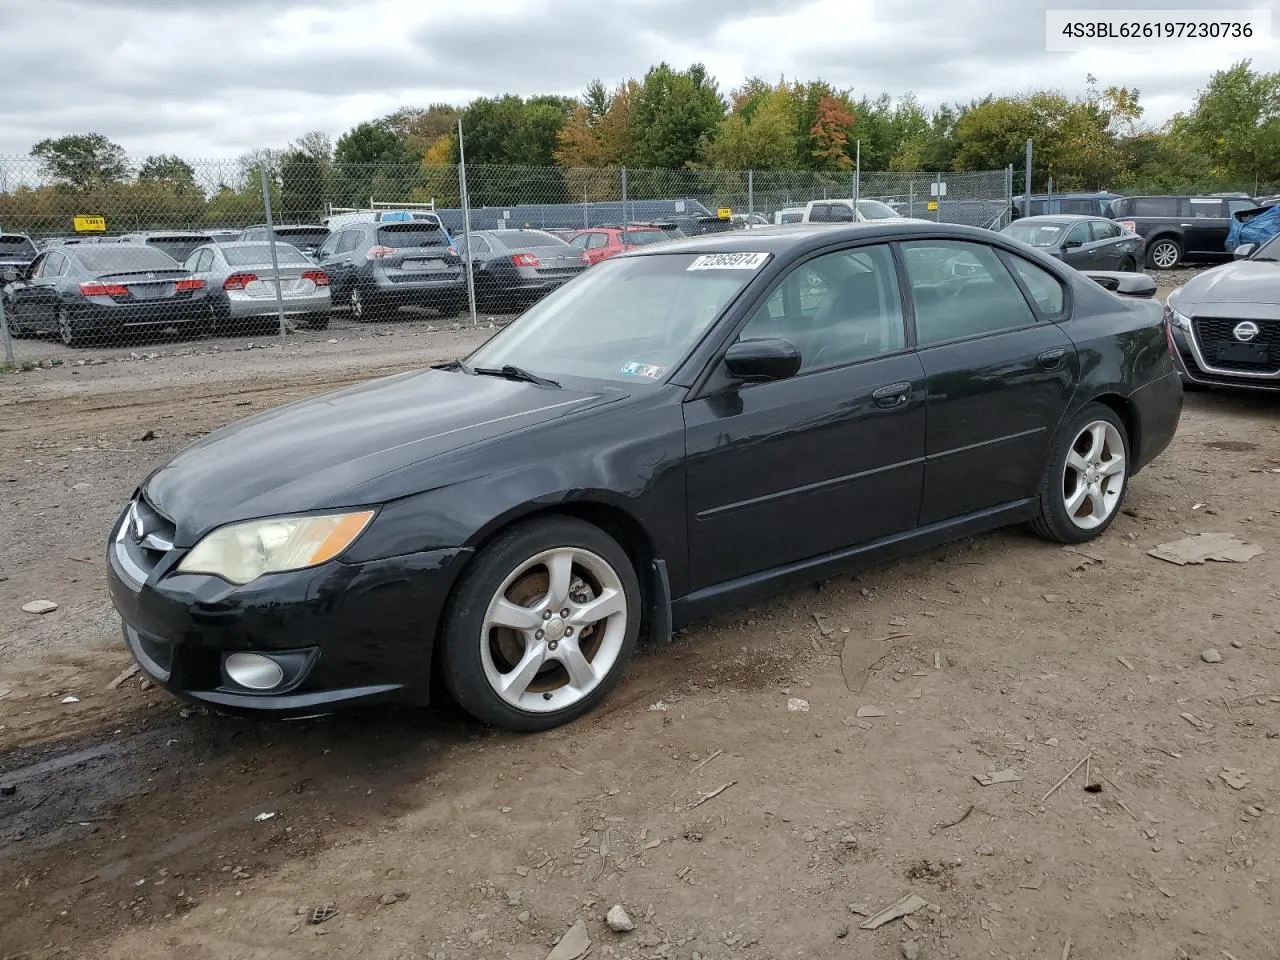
1173,316
242,552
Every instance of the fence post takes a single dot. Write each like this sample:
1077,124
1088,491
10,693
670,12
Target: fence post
1026,210
751,193
937,210
911,197
271,243
625,219
5,335
1008,193
857,177
466,226
1049,202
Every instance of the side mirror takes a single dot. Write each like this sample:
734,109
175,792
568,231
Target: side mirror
1072,244
1244,251
756,360
10,274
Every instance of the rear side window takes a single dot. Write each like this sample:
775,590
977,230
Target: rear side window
348,241
1103,230
962,290
1084,207
1235,206
1044,287
413,234
1201,209
1153,207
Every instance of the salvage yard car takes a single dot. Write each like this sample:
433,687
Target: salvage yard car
241,283
667,435
1225,322
1086,243
99,291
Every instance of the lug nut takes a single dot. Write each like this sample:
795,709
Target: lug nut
568,631
553,644
546,614
564,612
539,635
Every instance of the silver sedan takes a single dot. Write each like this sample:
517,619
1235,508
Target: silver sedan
242,286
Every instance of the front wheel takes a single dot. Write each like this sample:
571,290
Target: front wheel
1086,479
1129,265
1164,254
542,625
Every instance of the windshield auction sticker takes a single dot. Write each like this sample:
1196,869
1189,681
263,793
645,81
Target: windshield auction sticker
648,370
729,261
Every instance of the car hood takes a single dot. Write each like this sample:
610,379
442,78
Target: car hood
1246,282
318,453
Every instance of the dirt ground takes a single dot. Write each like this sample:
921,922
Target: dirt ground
137,827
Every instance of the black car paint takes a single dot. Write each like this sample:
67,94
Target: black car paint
1082,251
35,301
721,491
1199,238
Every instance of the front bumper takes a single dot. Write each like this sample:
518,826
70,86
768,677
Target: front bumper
1195,368
343,633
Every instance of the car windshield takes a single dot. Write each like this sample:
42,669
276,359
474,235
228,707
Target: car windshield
177,247
516,239
630,319
304,236
638,238
242,255
16,246
1036,234
875,210
417,234
123,257
1269,250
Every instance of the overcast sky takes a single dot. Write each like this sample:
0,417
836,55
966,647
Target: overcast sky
211,80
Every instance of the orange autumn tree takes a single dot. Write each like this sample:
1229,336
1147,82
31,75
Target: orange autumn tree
830,134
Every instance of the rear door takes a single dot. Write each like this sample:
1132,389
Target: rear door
39,302
1076,249
1205,225
1108,245
336,256
999,373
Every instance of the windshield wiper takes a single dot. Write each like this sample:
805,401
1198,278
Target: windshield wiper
512,372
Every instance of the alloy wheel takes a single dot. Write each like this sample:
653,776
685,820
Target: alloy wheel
66,333
1164,255
553,630
1094,475
357,305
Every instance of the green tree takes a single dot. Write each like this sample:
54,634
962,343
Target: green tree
82,160
674,117
761,135
168,170
1235,124
303,187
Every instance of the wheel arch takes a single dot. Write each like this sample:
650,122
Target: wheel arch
615,520
1128,414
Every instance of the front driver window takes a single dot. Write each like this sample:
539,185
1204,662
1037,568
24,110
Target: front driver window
838,308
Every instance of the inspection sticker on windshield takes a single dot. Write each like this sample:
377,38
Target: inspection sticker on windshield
633,368
729,261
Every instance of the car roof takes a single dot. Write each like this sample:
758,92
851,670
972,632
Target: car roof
1057,218
801,237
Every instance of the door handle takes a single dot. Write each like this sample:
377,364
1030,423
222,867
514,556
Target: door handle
1185,225
893,395
1052,359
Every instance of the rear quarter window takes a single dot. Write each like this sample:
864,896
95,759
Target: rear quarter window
1153,207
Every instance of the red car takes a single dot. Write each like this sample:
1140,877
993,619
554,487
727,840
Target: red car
601,243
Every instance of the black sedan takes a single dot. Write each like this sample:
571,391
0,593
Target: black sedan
514,268
99,291
673,432
1226,321
1086,243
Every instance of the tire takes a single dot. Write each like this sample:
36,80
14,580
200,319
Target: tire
1093,439
363,308
1129,265
67,332
478,656
1164,254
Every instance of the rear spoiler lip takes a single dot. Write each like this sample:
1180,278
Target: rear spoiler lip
1123,284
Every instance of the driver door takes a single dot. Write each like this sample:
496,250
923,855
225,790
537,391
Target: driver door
831,458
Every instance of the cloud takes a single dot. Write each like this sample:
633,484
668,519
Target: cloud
215,80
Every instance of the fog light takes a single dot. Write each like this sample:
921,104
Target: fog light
254,671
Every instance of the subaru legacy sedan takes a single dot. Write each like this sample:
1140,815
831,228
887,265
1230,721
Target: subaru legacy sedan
669,434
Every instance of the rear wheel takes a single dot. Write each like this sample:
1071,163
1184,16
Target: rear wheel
363,308
541,625
1086,478
1164,254
67,331
317,321
1129,265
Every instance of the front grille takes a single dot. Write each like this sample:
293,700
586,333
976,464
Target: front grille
1215,333
140,556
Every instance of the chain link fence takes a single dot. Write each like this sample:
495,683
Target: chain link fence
264,246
